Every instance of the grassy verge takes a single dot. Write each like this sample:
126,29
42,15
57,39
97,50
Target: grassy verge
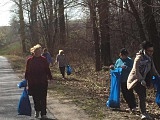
11,49
82,96
76,89
87,89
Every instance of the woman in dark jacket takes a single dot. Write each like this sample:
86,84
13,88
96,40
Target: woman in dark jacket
37,74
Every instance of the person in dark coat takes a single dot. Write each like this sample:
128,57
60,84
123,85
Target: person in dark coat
37,74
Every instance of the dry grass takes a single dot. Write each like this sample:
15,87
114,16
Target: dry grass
86,88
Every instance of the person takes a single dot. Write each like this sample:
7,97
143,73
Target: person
37,73
141,74
47,55
126,64
62,62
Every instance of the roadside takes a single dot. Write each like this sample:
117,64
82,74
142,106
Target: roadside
64,109
10,94
84,99
59,107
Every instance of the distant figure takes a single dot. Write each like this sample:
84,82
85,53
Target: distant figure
126,64
62,62
141,74
47,55
37,74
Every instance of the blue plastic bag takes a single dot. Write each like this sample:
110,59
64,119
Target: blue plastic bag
22,84
69,70
156,84
24,105
114,97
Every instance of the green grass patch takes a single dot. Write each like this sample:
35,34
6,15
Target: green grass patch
17,62
12,49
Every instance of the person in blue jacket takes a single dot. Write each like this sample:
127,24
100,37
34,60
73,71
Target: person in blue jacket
47,55
126,64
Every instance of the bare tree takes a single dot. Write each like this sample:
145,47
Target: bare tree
152,29
92,6
138,21
22,24
61,18
103,6
34,22
48,17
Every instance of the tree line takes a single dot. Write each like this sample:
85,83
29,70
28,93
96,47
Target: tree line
103,28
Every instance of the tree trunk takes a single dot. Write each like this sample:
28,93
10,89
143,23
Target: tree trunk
122,24
34,26
62,28
152,30
95,34
105,32
138,21
22,26
48,23
51,37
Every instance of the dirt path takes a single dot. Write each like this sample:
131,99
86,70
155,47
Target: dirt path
64,109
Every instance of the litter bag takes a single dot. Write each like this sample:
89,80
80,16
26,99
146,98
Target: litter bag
156,84
69,70
23,83
24,106
114,97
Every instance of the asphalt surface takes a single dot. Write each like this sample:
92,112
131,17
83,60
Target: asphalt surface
10,94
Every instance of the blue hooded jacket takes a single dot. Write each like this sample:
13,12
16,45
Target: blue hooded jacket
128,62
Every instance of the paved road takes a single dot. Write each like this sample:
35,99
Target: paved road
10,94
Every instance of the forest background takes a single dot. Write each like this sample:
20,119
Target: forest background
91,32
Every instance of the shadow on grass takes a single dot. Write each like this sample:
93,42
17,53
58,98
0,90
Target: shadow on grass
68,79
48,119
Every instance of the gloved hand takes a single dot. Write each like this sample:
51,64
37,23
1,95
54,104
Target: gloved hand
143,83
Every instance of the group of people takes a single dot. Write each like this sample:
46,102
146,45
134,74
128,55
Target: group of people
37,75
136,75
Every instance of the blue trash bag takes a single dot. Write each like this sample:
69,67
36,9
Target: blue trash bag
157,99
23,83
24,105
69,70
114,97
156,84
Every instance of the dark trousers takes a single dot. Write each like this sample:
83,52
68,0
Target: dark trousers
39,99
62,70
141,91
128,96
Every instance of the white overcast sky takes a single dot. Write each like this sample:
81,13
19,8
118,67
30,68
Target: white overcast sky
5,14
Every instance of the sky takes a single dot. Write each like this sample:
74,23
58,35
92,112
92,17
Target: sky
7,5
5,14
